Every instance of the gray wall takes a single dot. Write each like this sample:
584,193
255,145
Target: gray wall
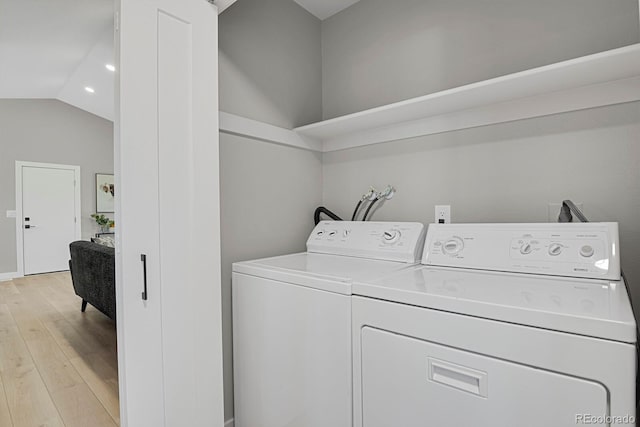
269,71
270,62
49,131
380,51
507,173
377,52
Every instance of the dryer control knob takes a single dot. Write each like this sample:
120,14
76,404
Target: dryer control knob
586,251
453,246
555,249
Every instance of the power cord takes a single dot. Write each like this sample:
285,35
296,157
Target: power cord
322,210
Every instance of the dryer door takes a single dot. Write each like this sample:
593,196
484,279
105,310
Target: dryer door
413,383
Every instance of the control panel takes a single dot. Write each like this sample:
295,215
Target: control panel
588,250
393,241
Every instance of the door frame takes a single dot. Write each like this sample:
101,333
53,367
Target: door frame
20,216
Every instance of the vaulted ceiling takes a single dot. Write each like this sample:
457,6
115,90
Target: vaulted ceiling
62,49
56,49
323,9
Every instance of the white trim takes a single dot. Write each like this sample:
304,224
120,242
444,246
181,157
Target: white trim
9,276
237,125
20,215
120,337
229,423
601,79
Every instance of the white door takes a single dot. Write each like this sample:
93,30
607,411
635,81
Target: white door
167,211
50,203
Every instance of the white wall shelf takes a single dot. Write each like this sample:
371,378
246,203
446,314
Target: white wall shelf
601,79
233,124
606,78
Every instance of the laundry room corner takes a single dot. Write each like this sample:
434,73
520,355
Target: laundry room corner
270,71
288,79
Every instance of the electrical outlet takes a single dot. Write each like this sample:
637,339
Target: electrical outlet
443,214
553,210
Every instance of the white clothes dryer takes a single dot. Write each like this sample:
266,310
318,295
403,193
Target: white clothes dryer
504,325
292,322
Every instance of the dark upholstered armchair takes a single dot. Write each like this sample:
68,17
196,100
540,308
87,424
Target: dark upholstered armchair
93,274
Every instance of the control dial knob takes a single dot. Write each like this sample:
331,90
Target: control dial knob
587,251
526,248
453,246
555,249
391,236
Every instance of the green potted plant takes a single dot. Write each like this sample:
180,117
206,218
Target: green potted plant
102,221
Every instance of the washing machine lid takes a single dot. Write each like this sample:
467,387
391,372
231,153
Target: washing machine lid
334,273
595,308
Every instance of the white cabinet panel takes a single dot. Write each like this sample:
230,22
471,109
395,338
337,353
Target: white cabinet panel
167,206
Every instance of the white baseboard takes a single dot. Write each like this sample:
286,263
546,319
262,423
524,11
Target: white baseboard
8,276
229,423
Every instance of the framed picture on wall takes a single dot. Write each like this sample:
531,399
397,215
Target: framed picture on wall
105,192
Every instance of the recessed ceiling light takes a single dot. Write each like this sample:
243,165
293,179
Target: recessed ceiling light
110,67
89,89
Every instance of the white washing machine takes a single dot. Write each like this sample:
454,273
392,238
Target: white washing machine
504,325
292,322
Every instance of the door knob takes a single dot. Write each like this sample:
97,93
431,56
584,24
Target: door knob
29,226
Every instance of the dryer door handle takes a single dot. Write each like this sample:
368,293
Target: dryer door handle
456,376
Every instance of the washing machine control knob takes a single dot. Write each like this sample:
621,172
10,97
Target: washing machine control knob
453,246
526,248
555,249
391,236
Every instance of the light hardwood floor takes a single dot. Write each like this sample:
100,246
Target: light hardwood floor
58,366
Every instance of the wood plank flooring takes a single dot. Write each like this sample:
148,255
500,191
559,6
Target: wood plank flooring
58,366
